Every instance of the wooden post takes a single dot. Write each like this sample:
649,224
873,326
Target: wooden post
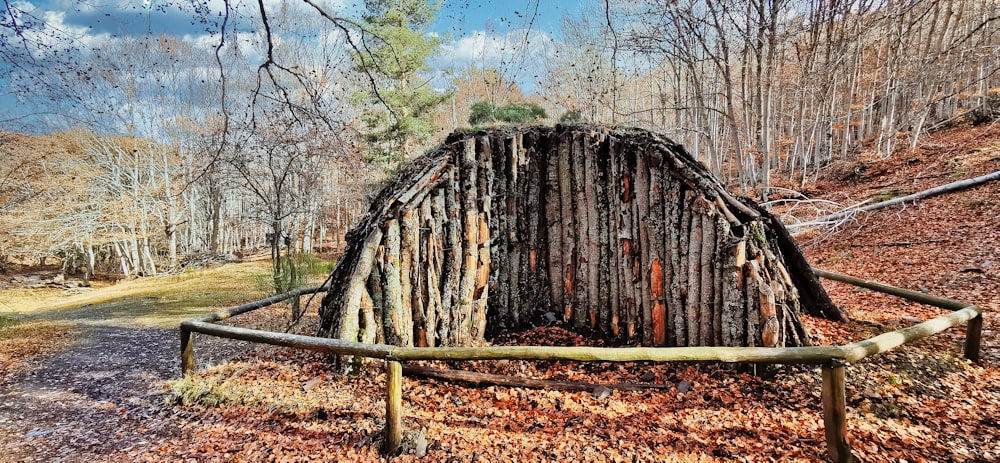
973,338
393,433
835,414
187,352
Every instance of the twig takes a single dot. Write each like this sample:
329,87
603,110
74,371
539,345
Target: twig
488,379
303,311
900,243
850,213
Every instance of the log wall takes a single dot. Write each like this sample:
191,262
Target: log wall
618,233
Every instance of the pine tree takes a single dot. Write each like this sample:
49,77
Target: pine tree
397,47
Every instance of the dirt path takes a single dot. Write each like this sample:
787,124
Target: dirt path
102,395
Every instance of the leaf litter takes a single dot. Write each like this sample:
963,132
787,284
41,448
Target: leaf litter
921,402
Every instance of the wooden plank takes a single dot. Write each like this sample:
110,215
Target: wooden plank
631,247
480,293
437,278
673,206
659,309
425,268
730,298
484,195
501,221
815,355
593,243
373,290
581,281
487,379
349,327
683,233
553,217
885,342
452,269
645,301
394,319
500,246
751,302
659,263
693,281
409,271
614,218
515,233
722,237
707,299
327,345
566,272
973,338
369,323
533,218
392,435
604,246
470,248
187,353
736,295
835,414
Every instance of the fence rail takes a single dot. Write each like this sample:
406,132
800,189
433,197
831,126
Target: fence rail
831,358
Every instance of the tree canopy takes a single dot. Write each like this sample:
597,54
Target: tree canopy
483,112
396,49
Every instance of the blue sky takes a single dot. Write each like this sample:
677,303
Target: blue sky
476,32
464,17
496,33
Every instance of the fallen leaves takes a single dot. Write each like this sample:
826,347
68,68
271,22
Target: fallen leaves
918,403
922,402
27,342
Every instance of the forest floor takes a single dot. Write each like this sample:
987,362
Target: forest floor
86,384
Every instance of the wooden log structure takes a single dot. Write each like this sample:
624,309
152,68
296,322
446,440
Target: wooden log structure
617,233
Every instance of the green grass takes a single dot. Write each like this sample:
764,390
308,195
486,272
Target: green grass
275,388
6,321
314,269
162,301
314,265
890,194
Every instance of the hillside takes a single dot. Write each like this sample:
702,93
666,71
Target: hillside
922,402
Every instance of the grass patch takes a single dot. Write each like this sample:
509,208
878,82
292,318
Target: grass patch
311,269
217,285
6,321
163,300
313,265
890,194
281,388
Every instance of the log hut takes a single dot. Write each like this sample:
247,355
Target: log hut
612,232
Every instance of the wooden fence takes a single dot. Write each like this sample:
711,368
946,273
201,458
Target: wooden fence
832,359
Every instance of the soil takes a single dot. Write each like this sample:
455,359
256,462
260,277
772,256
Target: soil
103,394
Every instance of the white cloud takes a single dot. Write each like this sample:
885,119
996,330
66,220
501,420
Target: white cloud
57,36
330,6
248,44
496,49
519,54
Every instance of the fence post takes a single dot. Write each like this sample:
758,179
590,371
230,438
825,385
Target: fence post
393,433
973,338
187,352
835,414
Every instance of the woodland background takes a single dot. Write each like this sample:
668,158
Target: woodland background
129,153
